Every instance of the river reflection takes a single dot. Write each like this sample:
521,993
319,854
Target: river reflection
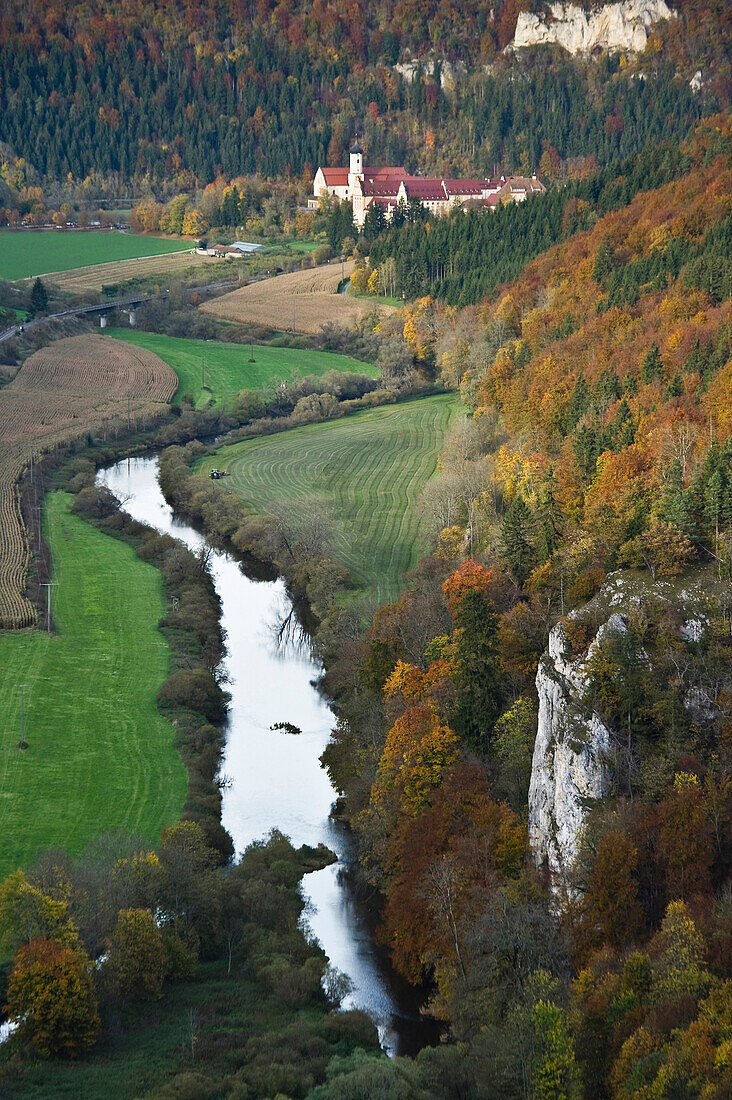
276,780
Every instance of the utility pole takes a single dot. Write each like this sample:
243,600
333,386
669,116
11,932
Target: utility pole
48,585
37,510
129,418
293,318
22,744
203,371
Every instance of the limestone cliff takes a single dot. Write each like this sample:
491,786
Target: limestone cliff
622,26
570,764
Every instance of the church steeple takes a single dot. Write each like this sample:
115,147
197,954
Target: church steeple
356,161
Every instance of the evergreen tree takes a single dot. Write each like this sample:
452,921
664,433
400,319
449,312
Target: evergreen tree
517,549
676,388
604,261
578,403
608,386
652,366
374,222
477,703
674,505
38,299
696,362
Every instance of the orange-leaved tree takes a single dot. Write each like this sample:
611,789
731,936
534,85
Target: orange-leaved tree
467,577
50,993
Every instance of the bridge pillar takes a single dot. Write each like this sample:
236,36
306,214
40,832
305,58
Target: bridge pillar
103,321
133,318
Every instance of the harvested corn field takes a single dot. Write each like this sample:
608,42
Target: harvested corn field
82,384
303,301
82,279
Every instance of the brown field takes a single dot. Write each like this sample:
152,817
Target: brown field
82,279
311,296
78,385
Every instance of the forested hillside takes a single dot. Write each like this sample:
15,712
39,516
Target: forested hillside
591,492
189,92
463,257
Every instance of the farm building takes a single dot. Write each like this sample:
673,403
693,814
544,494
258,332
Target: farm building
233,251
390,185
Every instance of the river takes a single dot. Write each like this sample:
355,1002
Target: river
275,779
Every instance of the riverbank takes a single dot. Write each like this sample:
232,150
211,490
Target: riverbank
273,779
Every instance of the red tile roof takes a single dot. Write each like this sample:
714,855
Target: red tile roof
382,187
425,188
389,170
465,187
336,177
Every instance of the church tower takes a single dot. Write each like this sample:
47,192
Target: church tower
355,171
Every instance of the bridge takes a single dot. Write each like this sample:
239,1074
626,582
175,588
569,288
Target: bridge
129,303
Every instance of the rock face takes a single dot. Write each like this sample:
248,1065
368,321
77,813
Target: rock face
622,26
450,72
570,767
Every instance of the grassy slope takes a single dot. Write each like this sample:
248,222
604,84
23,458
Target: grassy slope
228,369
23,255
370,469
100,755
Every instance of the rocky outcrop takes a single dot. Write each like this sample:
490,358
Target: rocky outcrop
451,72
623,26
570,767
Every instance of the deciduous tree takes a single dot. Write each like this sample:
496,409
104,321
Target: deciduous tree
50,993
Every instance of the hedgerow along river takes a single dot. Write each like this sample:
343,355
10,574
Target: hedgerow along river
275,779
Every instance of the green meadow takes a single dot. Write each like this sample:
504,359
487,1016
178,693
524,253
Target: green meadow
369,470
99,754
26,254
225,369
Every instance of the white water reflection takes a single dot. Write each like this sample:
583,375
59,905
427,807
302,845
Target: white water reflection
276,778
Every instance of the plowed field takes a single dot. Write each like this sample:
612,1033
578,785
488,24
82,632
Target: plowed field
77,385
303,300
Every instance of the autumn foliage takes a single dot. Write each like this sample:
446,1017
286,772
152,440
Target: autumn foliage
50,992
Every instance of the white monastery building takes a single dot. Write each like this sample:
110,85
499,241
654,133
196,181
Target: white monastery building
388,186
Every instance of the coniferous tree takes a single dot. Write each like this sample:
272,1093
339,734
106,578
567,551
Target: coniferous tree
38,299
477,703
517,549
652,366
674,503
604,261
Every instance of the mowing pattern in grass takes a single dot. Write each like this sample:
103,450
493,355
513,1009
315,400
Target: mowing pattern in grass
100,755
370,470
227,368
24,255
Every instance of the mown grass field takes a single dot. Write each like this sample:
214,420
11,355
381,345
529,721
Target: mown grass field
227,367
368,469
100,755
24,255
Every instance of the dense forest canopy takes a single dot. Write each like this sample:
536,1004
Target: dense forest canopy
229,88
